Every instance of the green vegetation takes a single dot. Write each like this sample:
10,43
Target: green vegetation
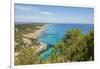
27,28
75,46
19,38
25,52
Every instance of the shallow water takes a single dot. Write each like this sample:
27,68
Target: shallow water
55,32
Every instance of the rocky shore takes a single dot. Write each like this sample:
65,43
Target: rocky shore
42,46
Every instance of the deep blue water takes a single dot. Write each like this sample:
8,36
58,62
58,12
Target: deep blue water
55,32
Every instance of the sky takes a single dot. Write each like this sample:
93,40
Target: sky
28,13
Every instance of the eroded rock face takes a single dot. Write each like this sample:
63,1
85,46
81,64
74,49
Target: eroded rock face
42,47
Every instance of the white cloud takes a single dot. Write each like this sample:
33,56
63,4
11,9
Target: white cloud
45,13
29,18
23,9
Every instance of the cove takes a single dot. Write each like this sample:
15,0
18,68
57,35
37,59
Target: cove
53,33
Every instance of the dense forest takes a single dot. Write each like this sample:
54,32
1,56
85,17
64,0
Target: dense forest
74,47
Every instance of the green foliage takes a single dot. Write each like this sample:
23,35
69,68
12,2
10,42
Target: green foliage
26,56
27,28
34,41
75,46
25,53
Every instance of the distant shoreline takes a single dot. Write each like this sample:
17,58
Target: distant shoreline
36,33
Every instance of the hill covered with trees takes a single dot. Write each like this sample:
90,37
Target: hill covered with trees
74,47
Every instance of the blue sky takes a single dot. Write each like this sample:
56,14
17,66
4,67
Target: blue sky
53,14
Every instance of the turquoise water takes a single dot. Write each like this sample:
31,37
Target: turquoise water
55,32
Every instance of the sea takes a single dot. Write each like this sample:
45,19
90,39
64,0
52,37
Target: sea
53,33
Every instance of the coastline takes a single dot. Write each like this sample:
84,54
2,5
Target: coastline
26,39
35,35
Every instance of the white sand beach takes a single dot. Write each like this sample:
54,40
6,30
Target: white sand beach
36,33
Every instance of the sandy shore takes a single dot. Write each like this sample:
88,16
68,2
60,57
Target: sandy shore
36,33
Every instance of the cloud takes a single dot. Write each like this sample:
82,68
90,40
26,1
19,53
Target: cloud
45,13
26,18
23,9
29,10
